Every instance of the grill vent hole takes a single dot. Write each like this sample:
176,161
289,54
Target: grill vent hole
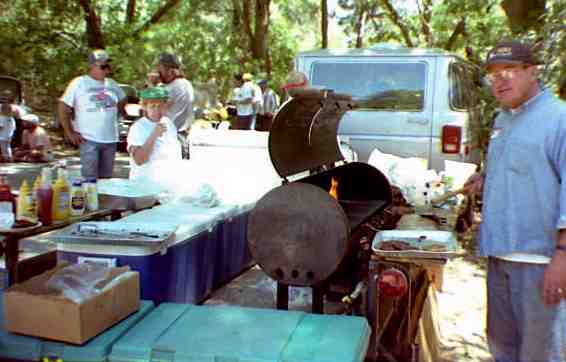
310,275
295,273
279,273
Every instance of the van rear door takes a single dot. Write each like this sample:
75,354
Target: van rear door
395,101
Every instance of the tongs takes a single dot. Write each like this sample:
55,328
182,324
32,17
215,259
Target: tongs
442,198
90,229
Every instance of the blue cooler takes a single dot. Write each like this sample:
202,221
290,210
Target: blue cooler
182,272
180,332
232,253
14,347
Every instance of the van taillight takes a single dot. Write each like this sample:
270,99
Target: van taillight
451,139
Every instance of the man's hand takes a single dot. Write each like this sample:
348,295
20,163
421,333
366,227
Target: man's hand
74,138
474,183
554,286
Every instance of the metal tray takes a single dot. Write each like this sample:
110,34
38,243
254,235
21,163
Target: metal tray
114,233
418,238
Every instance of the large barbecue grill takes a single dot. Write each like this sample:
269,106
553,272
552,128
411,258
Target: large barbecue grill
300,233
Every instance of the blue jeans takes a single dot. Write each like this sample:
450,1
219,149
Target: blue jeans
97,159
520,327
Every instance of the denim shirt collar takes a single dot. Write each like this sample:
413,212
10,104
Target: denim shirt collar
543,93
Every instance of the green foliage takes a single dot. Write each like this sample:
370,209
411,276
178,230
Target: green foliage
46,44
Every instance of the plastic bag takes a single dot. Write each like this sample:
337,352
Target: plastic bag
205,196
79,282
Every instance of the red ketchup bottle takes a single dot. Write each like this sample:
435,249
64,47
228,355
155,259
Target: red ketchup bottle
45,198
7,204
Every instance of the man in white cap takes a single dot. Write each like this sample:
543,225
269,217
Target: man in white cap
36,146
88,111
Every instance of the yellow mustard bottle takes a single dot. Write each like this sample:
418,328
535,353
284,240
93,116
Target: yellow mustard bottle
61,198
34,198
26,209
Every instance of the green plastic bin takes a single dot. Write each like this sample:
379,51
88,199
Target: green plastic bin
24,348
191,333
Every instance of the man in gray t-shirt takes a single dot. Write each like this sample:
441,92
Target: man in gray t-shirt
181,96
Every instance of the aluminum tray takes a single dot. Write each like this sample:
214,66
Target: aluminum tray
114,233
418,238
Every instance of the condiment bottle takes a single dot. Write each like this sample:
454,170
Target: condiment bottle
91,193
61,197
26,207
7,204
45,198
78,199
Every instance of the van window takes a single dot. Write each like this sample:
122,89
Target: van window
463,93
386,86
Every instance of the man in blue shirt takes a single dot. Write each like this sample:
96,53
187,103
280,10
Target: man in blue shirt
523,230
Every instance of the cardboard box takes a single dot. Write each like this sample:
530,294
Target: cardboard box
31,309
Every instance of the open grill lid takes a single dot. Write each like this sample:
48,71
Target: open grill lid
304,132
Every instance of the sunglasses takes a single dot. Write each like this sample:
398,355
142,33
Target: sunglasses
104,66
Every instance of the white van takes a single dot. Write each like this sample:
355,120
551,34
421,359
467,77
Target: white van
411,102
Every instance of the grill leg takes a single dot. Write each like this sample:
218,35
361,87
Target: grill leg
318,299
282,296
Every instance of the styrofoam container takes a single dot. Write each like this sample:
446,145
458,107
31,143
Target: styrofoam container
174,332
24,348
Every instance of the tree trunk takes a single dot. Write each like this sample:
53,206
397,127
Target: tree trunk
426,16
93,28
261,34
396,19
460,29
159,14
258,38
131,11
324,23
524,14
360,24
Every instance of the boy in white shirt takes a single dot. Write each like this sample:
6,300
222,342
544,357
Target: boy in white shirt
153,137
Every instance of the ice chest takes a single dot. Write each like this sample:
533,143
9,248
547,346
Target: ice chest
182,272
183,332
16,347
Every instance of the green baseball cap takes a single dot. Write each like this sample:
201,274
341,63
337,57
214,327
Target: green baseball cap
155,93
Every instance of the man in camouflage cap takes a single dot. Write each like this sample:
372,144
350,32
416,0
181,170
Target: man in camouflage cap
89,112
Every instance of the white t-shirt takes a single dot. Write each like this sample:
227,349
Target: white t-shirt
7,128
96,107
181,98
166,147
245,91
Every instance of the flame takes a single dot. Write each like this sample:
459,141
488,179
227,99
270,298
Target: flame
333,188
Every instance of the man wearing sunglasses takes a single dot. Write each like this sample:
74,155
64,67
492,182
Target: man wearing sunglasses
523,229
88,111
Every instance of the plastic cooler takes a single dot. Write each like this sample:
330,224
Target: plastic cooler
181,271
177,332
232,252
15,347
